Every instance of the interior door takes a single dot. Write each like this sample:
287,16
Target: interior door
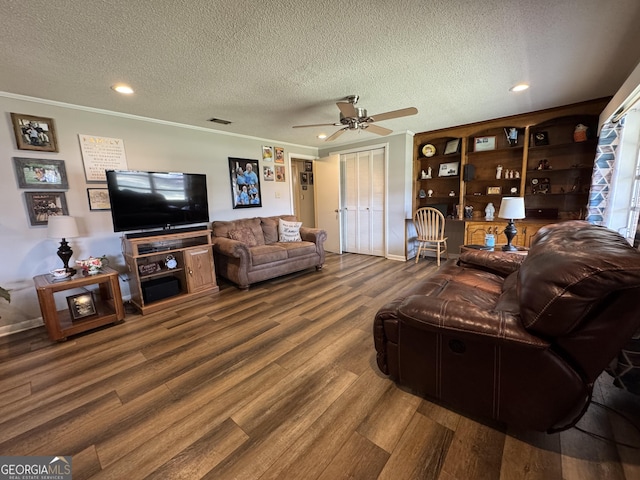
327,199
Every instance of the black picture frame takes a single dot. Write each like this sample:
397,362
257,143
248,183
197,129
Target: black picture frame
41,173
304,178
82,305
245,183
308,166
540,139
34,133
42,205
98,199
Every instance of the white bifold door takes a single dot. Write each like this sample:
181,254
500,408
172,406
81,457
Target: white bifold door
363,190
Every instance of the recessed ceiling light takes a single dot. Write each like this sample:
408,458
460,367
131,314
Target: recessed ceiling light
322,136
122,88
519,87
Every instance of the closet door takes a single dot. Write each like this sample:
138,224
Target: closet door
363,193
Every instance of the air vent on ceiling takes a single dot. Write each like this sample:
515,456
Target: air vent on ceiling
219,120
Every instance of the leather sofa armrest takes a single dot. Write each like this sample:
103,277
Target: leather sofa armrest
315,235
465,321
231,248
503,263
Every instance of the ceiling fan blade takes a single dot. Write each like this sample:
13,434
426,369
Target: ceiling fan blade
347,109
318,125
378,130
337,134
404,112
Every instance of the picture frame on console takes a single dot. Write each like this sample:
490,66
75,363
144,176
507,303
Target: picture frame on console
81,306
245,183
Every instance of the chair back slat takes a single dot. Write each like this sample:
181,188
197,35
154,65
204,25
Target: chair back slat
429,223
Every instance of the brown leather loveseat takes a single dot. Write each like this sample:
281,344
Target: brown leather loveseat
517,339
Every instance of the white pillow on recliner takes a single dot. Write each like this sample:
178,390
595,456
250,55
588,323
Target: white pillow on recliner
289,231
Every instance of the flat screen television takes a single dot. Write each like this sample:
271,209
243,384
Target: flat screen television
151,200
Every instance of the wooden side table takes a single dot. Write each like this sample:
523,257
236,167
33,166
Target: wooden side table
59,323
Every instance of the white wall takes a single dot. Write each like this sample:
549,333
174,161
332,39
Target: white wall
399,172
149,145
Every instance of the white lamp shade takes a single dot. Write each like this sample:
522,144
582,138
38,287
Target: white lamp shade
512,208
62,226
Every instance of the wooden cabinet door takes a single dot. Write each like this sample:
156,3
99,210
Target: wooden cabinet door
475,232
200,271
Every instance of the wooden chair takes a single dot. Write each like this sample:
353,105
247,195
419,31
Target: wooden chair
429,223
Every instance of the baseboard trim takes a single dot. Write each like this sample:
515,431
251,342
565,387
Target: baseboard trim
20,326
398,258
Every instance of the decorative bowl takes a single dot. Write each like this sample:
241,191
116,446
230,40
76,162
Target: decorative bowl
60,273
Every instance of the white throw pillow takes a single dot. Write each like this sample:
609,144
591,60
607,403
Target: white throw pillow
289,231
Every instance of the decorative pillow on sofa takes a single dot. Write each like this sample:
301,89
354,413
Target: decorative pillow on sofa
289,231
244,235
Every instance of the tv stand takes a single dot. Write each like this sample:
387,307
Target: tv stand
169,268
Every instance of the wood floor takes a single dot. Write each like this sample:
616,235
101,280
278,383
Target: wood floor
278,382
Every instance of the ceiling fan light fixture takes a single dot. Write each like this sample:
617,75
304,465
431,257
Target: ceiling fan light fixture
520,87
322,136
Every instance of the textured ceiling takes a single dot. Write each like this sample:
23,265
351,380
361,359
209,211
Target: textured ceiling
268,65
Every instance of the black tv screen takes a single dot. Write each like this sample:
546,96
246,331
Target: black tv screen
143,200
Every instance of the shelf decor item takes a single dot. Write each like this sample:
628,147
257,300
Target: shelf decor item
512,136
483,144
540,139
428,150
34,133
494,190
540,186
82,305
452,146
511,208
449,169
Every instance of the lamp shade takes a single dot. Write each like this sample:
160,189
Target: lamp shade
512,208
62,226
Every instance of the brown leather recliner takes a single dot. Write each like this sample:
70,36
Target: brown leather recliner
517,339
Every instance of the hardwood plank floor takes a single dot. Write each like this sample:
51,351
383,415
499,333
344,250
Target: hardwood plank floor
278,382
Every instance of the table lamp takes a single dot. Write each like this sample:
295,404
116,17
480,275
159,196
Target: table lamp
63,226
511,208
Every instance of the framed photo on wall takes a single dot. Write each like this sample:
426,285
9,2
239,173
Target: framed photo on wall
42,205
98,199
34,133
245,183
41,173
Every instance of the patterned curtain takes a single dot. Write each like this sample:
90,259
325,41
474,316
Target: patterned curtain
606,156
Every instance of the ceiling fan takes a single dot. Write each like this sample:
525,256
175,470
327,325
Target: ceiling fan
356,118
